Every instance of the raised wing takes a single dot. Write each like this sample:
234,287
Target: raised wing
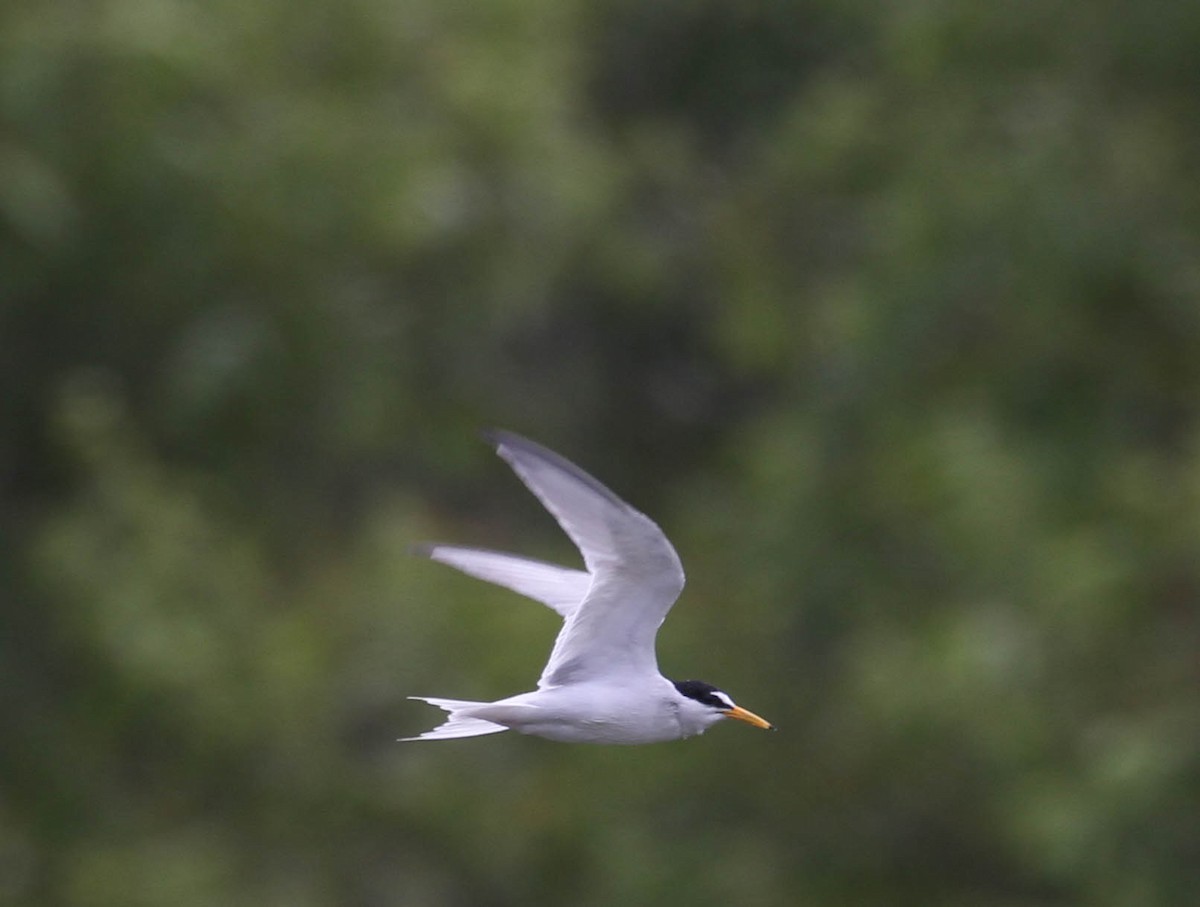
556,587
635,573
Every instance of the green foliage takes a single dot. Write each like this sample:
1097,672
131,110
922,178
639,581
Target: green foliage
889,315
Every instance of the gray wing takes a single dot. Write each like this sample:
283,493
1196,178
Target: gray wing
635,573
556,587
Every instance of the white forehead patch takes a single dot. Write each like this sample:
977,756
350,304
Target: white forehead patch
722,698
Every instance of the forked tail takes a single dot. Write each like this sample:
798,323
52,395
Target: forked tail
456,725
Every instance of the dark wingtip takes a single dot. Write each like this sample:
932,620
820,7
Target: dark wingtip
495,436
422,549
500,438
518,444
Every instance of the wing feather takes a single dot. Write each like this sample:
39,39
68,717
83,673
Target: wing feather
635,573
557,587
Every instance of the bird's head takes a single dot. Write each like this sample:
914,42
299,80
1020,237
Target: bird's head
704,705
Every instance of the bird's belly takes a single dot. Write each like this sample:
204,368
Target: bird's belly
590,730
583,717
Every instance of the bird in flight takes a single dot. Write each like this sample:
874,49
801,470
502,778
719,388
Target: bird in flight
601,684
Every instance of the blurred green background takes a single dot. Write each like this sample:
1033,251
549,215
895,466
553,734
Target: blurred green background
889,314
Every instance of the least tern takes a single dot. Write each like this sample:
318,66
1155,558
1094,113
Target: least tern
601,684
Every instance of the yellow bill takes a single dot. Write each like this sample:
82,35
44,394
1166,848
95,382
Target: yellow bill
749,717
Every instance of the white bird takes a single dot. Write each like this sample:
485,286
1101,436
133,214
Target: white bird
601,684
